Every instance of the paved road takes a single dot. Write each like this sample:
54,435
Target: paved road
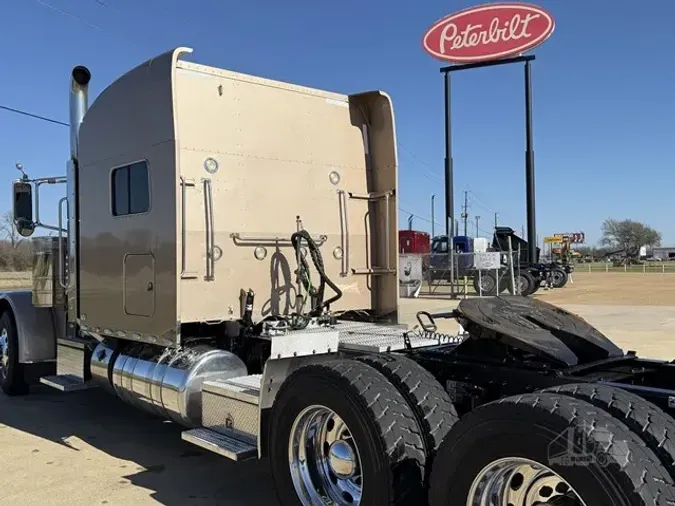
89,448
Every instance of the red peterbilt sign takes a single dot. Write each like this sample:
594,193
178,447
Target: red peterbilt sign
488,32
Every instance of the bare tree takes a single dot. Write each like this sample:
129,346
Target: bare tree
629,236
8,230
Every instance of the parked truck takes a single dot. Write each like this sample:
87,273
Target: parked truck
225,257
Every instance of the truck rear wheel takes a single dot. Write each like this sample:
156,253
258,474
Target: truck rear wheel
544,448
653,425
429,402
12,379
560,278
525,283
342,435
485,284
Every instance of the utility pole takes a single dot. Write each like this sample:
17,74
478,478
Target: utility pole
433,221
465,214
477,218
496,214
522,231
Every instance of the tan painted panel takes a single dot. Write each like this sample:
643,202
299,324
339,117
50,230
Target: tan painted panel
139,284
276,145
130,121
106,239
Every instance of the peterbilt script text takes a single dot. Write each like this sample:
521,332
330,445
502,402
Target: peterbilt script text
475,35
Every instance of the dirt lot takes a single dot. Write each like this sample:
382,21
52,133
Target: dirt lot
606,288
88,448
615,289
12,280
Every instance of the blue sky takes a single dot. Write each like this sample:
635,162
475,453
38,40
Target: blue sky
604,94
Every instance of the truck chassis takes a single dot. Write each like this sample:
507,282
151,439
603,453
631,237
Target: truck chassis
352,412
527,405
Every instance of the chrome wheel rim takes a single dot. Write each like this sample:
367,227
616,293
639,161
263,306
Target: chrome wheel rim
522,284
487,283
520,482
4,353
324,460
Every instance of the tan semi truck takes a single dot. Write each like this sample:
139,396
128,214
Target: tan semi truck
226,257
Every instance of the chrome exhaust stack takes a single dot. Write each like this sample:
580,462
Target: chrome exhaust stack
79,102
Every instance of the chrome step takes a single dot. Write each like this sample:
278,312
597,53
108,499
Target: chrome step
227,446
66,382
243,388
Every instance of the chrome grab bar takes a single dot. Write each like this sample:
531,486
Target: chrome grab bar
184,184
374,197
62,274
210,235
256,240
387,249
344,217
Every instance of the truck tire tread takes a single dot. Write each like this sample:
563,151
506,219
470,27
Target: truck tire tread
653,425
430,403
14,383
652,483
645,481
397,428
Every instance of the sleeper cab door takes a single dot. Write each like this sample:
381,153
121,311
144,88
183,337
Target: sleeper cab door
131,198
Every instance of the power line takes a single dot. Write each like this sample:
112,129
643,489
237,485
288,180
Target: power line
106,5
427,173
30,114
415,215
480,202
84,21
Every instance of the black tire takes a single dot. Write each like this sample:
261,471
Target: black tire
430,403
527,283
622,470
653,425
538,283
380,421
488,281
560,278
12,380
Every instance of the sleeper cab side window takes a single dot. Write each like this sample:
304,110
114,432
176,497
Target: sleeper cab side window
130,187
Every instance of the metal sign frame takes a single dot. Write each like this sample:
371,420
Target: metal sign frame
529,149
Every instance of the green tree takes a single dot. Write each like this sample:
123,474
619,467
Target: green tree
628,235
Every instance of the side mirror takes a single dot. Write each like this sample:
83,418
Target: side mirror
23,208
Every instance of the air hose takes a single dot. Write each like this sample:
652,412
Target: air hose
316,293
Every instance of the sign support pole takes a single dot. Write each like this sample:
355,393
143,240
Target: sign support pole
529,152
529,170
449,184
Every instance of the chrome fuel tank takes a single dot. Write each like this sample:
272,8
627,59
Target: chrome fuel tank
164,381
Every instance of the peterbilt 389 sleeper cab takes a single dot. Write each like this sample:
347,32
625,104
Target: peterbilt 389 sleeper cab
225,257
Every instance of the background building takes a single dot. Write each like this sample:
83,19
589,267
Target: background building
664,253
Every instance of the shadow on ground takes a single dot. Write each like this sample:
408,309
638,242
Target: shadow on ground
177,473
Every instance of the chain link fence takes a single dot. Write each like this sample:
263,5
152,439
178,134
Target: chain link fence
481,274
